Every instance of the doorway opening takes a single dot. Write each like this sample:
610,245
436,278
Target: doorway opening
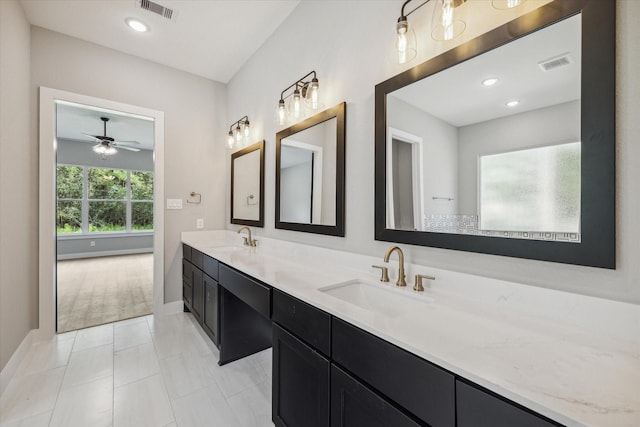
101,216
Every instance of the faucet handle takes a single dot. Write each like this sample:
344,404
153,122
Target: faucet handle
418,285
246,241
253,243
385,272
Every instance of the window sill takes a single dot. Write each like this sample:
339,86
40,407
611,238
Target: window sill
104,235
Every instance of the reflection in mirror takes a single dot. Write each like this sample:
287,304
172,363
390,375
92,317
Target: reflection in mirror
491,146
505,145
310,174
307,175
247,186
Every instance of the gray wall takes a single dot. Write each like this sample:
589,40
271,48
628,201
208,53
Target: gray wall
517,131
68,248
195,125
18,185
439,155
350,57
295,193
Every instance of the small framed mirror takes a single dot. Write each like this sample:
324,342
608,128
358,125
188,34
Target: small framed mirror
310,170
247,186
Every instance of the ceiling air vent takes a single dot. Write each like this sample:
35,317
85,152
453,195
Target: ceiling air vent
555,62
158,9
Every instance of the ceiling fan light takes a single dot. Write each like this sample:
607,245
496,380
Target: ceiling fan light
137,25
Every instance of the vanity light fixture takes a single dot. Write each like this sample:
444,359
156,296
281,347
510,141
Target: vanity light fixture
242,130
305,99
137,25
513,103
445,25
489,82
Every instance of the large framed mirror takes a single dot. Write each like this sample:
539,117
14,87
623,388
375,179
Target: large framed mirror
310,170
505,145
247,186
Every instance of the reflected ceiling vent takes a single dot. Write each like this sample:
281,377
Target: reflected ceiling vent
555,62
158,9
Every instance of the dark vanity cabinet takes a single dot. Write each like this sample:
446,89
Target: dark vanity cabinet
232,308
200,289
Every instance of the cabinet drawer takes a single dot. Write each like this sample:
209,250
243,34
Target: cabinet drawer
250,291
305,321
186,252
187,271
211,267
354,404
477,408
197,258
418,386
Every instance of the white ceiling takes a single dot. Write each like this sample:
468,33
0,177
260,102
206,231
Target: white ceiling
209,38
458,97
72,120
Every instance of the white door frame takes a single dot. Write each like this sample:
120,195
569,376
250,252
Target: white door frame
417,175
47,200
317,175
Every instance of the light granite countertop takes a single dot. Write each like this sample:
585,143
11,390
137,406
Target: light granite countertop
572,358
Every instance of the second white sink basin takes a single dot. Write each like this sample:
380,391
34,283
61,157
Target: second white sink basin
379,298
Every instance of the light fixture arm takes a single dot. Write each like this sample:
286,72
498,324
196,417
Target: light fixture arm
403,15
299,84
244,120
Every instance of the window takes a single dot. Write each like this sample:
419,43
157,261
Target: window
103,200
536,189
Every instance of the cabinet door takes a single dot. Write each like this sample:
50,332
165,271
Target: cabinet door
197,302
300,383
477,408
355,405
210,324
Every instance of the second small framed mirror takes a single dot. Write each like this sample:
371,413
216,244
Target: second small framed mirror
310,170
247,186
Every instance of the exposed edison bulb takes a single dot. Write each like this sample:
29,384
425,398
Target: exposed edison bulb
281,113
446,24
231,140
238,134
296,105
507,4
247,129
312,94
404,47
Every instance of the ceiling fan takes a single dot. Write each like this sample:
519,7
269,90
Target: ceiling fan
106,145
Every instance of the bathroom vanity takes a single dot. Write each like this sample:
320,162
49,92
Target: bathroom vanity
403,358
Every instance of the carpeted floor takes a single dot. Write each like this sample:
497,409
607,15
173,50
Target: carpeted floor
94,291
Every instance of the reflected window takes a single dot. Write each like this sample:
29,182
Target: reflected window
531,190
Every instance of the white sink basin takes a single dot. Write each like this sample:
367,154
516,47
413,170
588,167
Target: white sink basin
378,298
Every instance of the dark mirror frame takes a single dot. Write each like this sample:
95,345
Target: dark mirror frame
257,146
597,247
339,112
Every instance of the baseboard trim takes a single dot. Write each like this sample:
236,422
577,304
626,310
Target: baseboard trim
11,367
173,307
104,253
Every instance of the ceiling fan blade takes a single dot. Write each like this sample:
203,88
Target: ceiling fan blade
97,138
125,147
127,142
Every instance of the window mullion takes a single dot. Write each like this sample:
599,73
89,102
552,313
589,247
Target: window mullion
128,208
85,200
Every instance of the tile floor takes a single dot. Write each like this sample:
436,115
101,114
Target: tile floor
157,371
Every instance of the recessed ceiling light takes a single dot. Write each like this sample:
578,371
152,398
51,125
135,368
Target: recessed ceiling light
490,81
137,25
512,104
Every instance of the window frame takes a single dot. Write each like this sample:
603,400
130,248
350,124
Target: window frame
85,200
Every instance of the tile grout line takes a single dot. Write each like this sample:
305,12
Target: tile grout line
66,366
164,383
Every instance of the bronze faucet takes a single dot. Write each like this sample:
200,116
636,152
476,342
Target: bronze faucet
248,241
400,281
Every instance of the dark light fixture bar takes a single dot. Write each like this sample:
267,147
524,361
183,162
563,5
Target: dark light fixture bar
304,89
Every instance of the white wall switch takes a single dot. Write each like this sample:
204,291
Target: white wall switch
200,223
92,243
174,203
